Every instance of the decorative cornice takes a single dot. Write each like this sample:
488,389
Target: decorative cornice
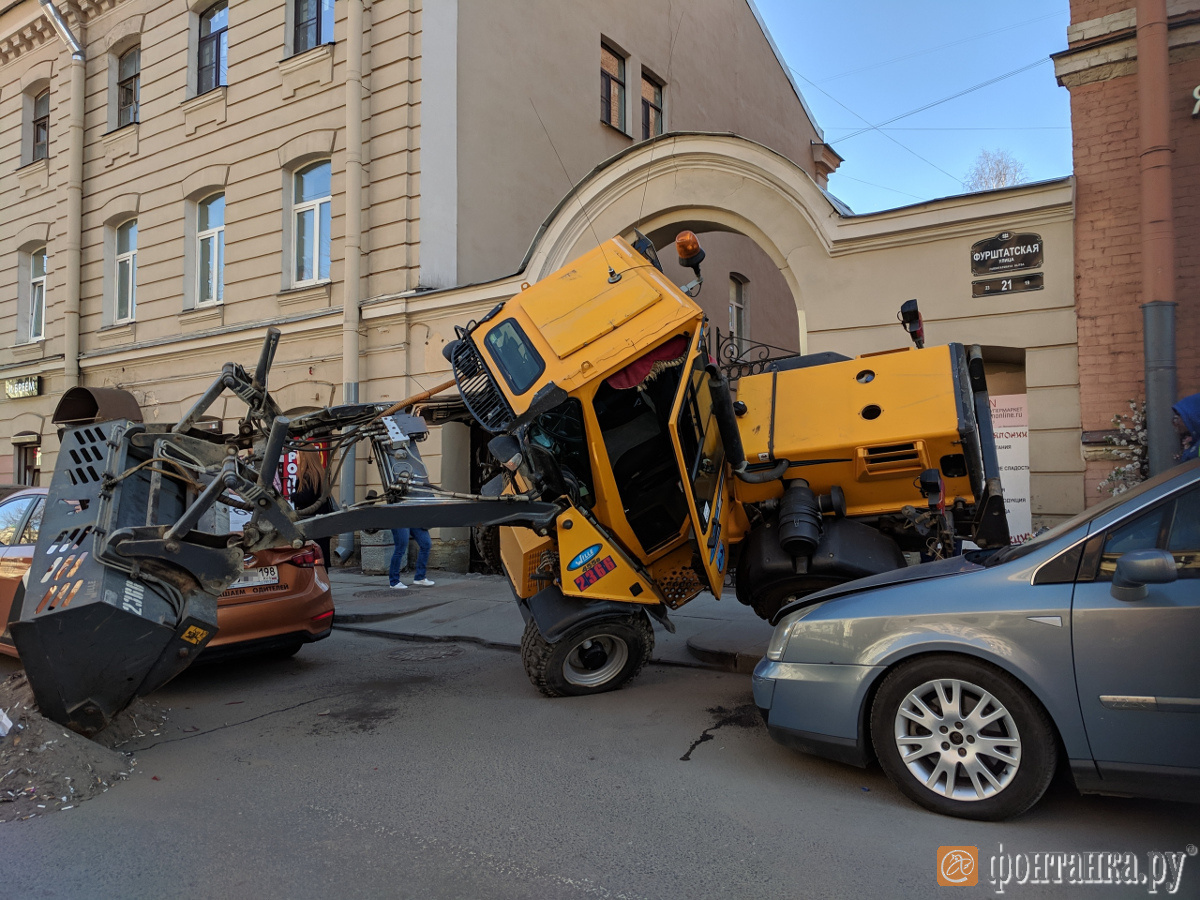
33,32
28,37
1106,48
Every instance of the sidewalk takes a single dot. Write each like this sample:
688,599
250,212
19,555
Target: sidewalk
710,633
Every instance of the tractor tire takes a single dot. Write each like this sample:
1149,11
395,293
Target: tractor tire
591,658
486,539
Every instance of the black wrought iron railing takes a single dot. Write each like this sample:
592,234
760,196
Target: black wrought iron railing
737,357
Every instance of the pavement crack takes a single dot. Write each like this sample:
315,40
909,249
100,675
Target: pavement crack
745,716
196,734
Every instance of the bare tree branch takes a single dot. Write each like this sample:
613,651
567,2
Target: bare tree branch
995,169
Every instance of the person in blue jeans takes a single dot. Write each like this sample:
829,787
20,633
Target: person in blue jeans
400,556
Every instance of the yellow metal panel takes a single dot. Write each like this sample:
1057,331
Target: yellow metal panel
869,425
525,556
569,322
594,567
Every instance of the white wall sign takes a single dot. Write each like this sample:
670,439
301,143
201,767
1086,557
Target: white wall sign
1011,426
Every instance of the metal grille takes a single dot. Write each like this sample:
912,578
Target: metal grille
891,458
85,456
478,388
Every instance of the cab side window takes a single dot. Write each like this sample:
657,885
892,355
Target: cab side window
1183,542
29,534
11,514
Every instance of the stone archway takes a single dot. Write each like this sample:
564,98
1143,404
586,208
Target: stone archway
705,182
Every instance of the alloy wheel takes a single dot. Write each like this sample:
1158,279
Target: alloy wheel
957,740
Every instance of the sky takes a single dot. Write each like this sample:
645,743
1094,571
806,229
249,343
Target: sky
866,62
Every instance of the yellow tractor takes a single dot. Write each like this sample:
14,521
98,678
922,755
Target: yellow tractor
822,470
632,478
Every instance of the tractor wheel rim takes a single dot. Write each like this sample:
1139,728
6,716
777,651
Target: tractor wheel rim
577,672
957,740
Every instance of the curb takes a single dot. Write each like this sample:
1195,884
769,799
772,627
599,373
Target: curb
712,659
728,660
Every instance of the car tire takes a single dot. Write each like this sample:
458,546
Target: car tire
992,748
591,658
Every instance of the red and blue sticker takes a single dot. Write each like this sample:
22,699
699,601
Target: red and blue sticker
594,572
593,569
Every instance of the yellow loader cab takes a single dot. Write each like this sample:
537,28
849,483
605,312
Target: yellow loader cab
603,392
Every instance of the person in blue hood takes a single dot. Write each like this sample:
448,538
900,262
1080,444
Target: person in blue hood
1187,422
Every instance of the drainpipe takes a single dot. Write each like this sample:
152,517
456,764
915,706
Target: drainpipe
74,237
353,245
1158,232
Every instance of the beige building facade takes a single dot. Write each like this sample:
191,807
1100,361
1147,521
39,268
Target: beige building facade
366,176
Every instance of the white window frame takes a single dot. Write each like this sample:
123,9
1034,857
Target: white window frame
37,296
128,258
737,311
135,81
298,209
216,260
32,119
326,24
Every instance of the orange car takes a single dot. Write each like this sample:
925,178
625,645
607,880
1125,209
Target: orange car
281,602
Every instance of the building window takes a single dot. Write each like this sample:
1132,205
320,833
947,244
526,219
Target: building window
27,464
652,107
612,88
210,250
213,52
314,24
311,214
37,295
737,313
41,126
129,79
126,272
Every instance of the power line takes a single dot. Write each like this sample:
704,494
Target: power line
882,187
956,179
888,62
919,109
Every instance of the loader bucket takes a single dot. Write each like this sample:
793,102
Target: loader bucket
95,630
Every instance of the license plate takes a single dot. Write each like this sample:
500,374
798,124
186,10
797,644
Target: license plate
260,575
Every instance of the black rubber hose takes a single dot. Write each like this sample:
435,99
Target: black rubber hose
731,437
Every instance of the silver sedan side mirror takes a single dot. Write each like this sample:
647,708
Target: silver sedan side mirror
1138,568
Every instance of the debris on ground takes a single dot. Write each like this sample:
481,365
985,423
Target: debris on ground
45,767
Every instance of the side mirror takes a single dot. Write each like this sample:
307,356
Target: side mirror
1138,568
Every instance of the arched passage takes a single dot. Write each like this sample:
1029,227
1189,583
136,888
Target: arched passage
705,182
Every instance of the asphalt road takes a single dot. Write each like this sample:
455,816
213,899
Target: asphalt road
369,767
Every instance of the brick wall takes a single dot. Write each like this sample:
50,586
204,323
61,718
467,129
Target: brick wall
1083,10
1108,276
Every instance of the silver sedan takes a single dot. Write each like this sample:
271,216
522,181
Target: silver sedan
968,679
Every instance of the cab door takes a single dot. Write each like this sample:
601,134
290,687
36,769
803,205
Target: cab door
701,459
1136,661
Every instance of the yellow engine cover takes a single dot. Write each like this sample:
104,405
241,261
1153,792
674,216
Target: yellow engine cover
870,425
